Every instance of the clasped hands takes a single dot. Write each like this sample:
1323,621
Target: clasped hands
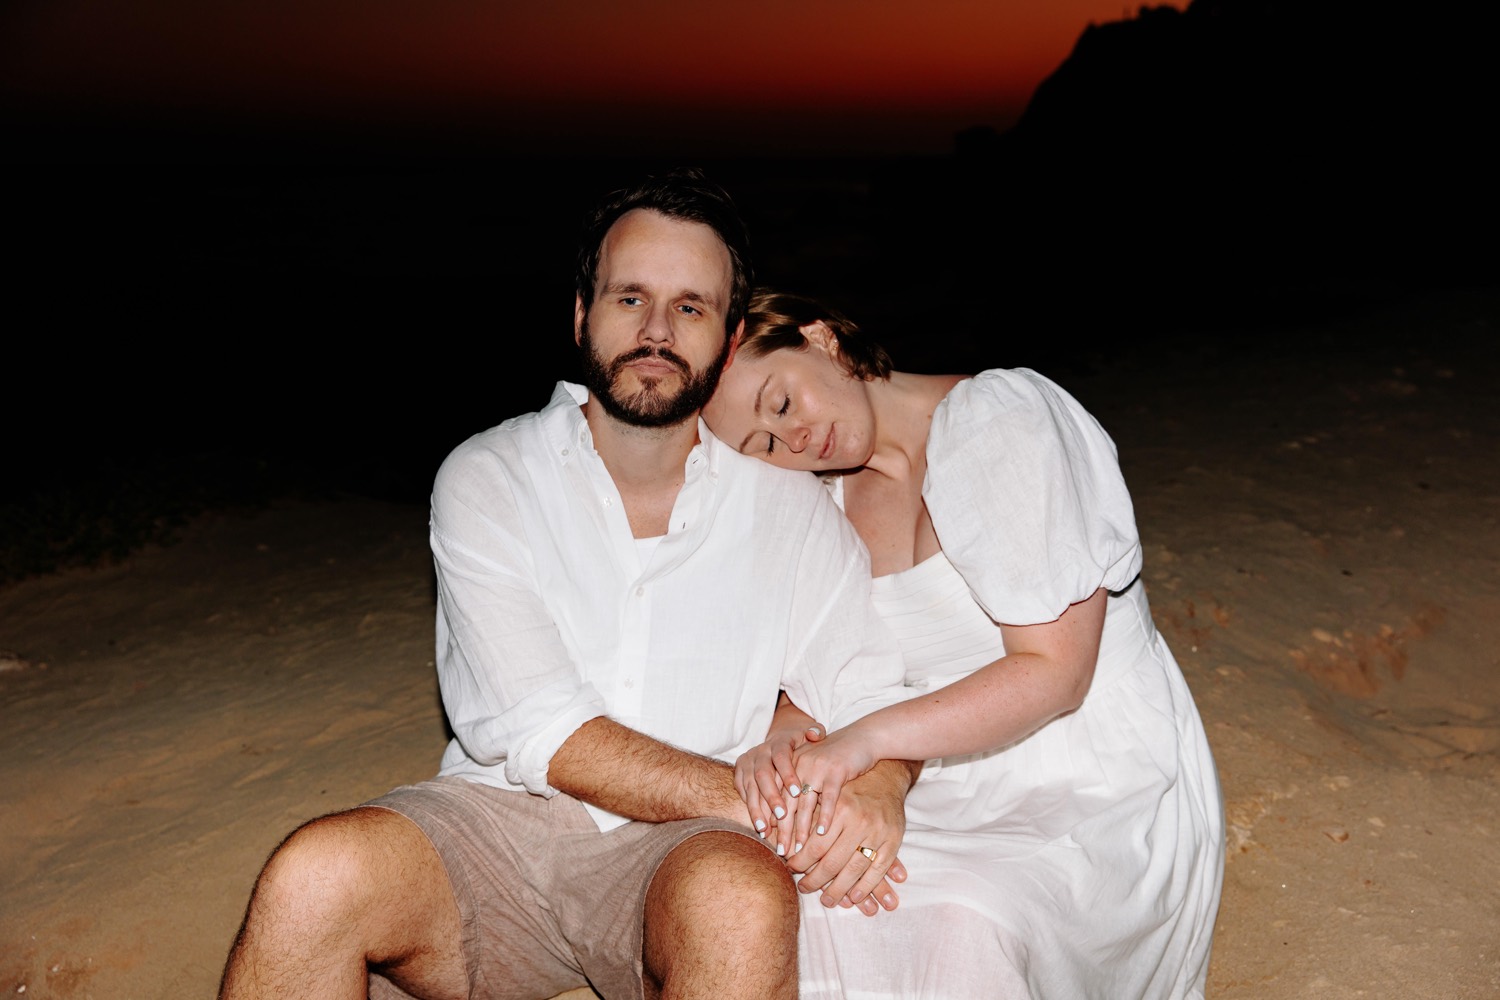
835,818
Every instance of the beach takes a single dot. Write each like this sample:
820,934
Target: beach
1319,504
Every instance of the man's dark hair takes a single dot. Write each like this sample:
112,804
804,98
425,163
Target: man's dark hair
681,194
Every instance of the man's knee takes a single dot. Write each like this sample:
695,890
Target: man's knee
730,872
329,870
722,910
342,893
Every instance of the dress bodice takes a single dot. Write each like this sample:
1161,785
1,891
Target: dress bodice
943,633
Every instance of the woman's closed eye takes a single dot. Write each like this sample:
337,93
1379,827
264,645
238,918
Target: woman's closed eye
786,404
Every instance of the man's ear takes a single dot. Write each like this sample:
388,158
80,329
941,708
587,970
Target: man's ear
578,316
734,343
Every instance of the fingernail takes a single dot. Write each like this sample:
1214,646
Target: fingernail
889,900
797,848
794,790
815,730
760,824
780,812
822,830
780,850
761,834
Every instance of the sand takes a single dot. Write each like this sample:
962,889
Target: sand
1319,511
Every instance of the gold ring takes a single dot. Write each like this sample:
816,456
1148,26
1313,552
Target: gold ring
868,852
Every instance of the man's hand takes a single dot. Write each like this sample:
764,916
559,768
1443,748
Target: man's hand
857,852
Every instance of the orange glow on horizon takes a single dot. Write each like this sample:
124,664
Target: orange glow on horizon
955,59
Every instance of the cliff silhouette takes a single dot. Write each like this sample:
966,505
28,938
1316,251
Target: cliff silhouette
1242,148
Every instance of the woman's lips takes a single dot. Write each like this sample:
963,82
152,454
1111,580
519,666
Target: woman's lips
827,446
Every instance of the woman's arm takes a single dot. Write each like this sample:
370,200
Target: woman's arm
1045,673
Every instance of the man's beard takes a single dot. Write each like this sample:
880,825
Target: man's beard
649,406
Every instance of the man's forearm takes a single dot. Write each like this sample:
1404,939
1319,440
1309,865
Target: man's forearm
898,775
617,768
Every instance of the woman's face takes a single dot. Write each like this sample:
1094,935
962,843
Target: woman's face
796,409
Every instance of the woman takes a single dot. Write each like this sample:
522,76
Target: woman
1066,837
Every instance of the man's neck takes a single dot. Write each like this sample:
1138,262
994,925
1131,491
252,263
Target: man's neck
646,464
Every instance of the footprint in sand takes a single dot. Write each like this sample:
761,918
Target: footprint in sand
1356,663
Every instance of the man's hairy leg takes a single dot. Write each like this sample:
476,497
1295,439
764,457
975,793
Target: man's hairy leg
721,921
344,893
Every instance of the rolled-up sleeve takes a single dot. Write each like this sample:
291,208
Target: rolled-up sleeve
512,691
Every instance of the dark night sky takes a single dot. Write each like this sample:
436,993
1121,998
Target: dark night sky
332,239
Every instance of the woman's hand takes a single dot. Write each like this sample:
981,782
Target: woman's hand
765,775
854,860
826,766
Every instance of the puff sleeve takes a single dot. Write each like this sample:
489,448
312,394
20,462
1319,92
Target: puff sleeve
1025,492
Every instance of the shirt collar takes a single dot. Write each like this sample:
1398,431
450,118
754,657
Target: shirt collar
564,427
567,430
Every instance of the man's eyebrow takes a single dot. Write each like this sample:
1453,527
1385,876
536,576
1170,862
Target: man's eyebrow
758,393
712,301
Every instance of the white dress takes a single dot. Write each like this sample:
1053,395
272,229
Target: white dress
1084,861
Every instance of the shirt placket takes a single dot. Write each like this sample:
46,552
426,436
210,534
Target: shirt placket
640,600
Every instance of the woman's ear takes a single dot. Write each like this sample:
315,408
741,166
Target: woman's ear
818,332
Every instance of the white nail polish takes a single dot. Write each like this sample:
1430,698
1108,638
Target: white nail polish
780,812
794,790
760,824
796,848
780,851
822,830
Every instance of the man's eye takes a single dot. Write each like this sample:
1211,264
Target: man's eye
631,300
690,309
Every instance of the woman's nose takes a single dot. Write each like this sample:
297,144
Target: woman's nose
798,440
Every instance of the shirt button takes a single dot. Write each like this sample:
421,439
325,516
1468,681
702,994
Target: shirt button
605,501
629,683
565,451
640,592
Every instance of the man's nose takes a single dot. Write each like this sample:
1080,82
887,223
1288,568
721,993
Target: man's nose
656,326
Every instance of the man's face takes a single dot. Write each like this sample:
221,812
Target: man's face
653,340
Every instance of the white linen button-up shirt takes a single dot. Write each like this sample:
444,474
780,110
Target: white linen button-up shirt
550,614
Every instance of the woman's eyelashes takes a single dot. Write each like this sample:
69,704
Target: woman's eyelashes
786,404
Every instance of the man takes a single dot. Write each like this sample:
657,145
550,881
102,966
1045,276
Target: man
620,597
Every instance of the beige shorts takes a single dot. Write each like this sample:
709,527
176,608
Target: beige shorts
547,902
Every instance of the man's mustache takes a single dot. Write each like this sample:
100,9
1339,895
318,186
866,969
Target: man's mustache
664,353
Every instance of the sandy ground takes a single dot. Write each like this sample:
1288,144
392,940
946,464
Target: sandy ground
1321,516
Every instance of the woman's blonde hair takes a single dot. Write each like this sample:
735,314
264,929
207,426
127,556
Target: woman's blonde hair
775,319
